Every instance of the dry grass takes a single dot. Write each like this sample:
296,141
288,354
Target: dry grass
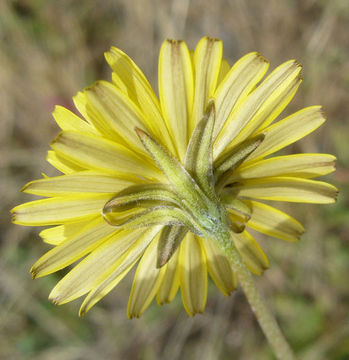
50,50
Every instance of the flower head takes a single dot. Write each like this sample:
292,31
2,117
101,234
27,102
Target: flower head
153,181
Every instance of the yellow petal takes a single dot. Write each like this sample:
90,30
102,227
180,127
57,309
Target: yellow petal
121,86
83,182
67,120
101,154
262,106
176,90
54,235
73,249
114,115
193,275
97,293
251,252
146,282
140,92
124,265
170,281
57,234
268,220
287,189
63,165
225,67
219,268
207,64
58,210
95,268
299,165
289,130
238,83
80,102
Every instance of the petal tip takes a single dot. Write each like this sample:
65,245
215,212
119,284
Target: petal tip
33,272
297,63
322,112
260,57
211,39
133,315
26,187
174,41
55,301
82,312
14,219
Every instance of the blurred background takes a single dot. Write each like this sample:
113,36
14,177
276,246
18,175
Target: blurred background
51,49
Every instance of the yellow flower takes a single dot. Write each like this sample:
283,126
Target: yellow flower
150,182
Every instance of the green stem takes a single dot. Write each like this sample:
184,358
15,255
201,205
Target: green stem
264,316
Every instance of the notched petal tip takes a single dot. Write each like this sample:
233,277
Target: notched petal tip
33,272
133,316
322,112
298,64
335,195
14,217
93,86
299,235
261,57
196,312
55,301
211,39
140,132
293,63
82,312
174,41
37,271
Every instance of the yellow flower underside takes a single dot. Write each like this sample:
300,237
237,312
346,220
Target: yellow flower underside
100,154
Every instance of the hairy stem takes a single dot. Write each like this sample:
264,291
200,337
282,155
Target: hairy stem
264,316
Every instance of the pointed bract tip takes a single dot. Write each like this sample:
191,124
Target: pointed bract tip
260,137
161,261
140,132
211,105
108,207
237,228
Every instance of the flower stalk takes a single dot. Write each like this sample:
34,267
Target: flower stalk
265,318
